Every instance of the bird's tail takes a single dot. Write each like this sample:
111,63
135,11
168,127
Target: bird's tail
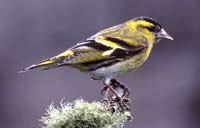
44,63
50,62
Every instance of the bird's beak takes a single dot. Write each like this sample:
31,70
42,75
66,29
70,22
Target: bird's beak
163,34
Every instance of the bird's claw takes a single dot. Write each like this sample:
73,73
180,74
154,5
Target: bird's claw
116,93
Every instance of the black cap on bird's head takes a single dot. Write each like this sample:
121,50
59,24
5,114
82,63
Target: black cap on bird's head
155,27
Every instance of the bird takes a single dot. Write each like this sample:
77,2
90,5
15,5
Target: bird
112,52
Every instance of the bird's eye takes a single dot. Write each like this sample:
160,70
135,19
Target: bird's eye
154,29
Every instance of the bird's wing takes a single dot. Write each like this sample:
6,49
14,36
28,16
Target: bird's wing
101,48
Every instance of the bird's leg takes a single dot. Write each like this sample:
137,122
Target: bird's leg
117,88
111,86
116,92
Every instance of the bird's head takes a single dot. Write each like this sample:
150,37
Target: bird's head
151,28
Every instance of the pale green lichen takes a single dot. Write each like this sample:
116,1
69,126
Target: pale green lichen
82,114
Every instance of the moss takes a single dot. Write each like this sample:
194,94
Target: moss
82,114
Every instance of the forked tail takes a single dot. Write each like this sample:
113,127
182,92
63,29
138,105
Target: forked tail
50,62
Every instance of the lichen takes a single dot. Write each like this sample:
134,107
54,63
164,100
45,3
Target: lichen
82,114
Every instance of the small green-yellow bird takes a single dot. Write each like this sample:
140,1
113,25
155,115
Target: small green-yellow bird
112,52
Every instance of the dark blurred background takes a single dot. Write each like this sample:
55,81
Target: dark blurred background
165,92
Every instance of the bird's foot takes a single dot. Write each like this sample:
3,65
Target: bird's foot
116,93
